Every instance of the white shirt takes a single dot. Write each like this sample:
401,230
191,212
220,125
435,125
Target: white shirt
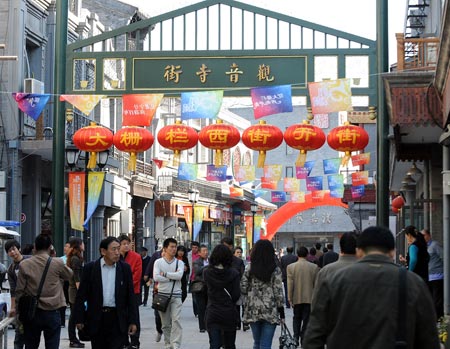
108,283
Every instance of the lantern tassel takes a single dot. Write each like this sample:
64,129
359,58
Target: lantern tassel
92,160
132,162
261,159
346,158
176,158
218,157
301,159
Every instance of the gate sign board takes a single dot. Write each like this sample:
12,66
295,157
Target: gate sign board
160,74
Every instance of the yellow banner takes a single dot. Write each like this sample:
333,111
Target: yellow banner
330,96
84,103
76,199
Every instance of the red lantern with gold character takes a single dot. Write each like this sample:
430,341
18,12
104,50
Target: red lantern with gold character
348,138
398,202
262,137
93,139
219,136
177,137
304,137
133,140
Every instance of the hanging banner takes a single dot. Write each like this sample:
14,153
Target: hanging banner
187,171
273,172
360,178
298,196
330,96
331,166
358,191
305,171
236,192
271,100
321,120
268,184
188,217
258,192
216,173
314,183
160,163
76,199
201,105
244,173
361,159
199,213
95,184
31,104
84,103
335,182
257,225
291,184
337,193
278,196
248,228
139,109
318,195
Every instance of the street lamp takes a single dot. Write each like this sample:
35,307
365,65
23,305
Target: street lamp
72,155
253,208
193,199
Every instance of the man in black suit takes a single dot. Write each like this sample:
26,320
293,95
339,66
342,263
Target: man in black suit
107,288
287,259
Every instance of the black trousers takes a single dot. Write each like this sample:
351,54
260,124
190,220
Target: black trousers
437,292
300,322
201,300
109,335
146,291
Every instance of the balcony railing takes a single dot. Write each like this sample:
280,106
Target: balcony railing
416,53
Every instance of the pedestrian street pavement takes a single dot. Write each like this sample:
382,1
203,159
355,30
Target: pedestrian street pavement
192,338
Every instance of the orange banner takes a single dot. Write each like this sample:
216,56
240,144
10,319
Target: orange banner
77,182
248,229
84,103
188,217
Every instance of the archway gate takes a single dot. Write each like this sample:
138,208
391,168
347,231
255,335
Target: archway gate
215,44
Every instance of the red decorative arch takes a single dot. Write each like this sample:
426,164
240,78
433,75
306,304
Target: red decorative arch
290,209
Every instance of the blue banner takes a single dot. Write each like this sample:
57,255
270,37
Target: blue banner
95,184
271,100
201,105
278,196
331,166
314,183
216,173
31,104
335,182
187,171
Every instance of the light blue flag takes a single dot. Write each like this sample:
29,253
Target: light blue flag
201,105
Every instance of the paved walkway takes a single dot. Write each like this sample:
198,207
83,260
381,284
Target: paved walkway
192,338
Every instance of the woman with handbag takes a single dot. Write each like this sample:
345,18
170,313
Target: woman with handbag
74,262
222,284
262,287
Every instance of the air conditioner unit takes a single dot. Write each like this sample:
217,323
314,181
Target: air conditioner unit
33,86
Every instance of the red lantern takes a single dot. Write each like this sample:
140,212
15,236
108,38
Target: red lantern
93,139
219,137
348,138
398,202
177,137
304,137
262,137
133,140
395,210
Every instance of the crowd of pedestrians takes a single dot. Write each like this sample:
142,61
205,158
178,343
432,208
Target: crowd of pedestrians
358,298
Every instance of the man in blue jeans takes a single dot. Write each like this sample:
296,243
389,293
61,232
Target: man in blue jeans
47,318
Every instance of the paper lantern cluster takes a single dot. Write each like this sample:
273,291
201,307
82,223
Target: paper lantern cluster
261,137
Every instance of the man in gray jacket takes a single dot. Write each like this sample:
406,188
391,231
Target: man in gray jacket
357,306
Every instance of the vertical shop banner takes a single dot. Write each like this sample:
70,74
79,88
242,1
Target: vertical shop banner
257,225
31,104
188,217
201,105
248,228
199,214
216,173
271,100
84,103
95,184
139,109
76,199
331,166
330,96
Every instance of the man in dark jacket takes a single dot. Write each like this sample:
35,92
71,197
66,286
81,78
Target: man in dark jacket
237,263
107,288
357,306
287,259
145,262
330,256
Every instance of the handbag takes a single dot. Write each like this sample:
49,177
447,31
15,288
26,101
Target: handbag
286,339
27,303
198,286
160,301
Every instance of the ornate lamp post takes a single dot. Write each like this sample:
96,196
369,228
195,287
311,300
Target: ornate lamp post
193,195
254,209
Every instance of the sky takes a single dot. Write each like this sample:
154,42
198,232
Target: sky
352,16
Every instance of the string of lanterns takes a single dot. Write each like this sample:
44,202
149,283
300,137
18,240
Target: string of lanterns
261,137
